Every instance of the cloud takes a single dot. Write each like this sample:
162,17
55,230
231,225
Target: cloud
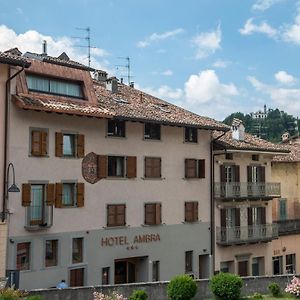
155,37
250,28
287,99
221,63
285,78
291,33
32,40
263,5
167,73
207,43
163,92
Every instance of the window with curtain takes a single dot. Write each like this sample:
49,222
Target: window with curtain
68,198
37,203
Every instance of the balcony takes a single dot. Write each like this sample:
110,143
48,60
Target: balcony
246,234
38,217
246,190
286,227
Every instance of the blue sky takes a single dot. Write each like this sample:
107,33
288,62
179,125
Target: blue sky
213,57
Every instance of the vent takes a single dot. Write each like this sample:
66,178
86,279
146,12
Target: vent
120,100
162,107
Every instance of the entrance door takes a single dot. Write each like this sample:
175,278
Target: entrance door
243,268
125,271
77,277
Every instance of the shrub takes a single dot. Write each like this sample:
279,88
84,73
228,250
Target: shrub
226,286
11,294
274,289
294,287
257,296
113,296
181,287
139,295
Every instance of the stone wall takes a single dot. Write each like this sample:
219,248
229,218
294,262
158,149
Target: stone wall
157,291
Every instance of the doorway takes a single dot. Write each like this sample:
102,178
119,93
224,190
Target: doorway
243,268
77,277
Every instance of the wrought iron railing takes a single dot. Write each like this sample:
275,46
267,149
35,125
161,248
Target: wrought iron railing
38,217
246,234
232,190
288,226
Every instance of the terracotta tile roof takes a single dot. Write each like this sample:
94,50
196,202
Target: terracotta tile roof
250,143
132,104
293,156
15,60
60,105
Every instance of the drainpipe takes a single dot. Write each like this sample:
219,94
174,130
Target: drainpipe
212,201
7,91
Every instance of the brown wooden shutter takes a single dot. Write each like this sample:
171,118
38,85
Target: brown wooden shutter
263,215
44,143
80,145
58,144
237,173
250,216
50,194
131,166
120,213
201,165
26,194
150,214
156,167
102,166
36,143
111,215
195,208
188,211
249,174
80,194
262,174
148,167
58,195
222,173
223,217
237,217
158,213
190,168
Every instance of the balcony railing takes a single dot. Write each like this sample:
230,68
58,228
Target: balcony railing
246,234
286,227
39,217
254,190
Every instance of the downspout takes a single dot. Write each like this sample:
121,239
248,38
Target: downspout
7,91
212,201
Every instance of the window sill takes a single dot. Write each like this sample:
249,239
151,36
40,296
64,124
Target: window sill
39,156
116,137
153,225
116,178
37,227
153,178
152,140
191,143
68,157
191,222
192,178
75,265
116,227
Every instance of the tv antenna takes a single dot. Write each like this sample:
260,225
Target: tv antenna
88,39
126,66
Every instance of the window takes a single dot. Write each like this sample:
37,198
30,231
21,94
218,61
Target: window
116,128
51,253
191,135
152,167
256,174
277,265
155,270
191,211
69,145
152,213
38,142
116,215
54,86
68,197
255,157
255,266
189,262
229,156
230,173
282,209
77,250
23,256
194,168
256,216
105,275
37,204
152,131
227,266
116,166
290,263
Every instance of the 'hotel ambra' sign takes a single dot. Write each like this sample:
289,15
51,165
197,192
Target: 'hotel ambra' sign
124,240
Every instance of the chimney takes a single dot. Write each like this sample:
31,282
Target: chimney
112,84
285,137
131,84
44,47
100,75
238,130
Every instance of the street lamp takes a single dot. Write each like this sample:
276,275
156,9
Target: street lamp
12,189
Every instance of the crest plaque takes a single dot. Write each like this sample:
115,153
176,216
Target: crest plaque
90,168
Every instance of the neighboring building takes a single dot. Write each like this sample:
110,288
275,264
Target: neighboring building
286,210
260,115
243,195
115,182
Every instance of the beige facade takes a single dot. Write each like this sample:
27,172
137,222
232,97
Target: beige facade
3,240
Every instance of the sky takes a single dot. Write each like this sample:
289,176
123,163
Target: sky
213,57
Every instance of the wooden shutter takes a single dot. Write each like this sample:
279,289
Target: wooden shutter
58,144
36,141
158,213
80,194
156,167
190,168
237,173
26,194
262,174
196,204
249,174
263,215
44,143
191,211
201,165
102,166
237,217
50,190
80,145
222,173
131,166
111,215
120,215
250,216
150,214
223,217
148,167
58,194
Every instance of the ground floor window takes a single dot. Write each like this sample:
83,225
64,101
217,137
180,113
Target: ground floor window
243,268
277,265
290,263
23,256
51,249
257,266
189,262
227,266
77,250
155,270
105,275
77,277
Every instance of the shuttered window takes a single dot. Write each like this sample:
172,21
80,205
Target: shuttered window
115,166
38,142
69,195
69,145
152,167
116,215
152,213
191,211
194,168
